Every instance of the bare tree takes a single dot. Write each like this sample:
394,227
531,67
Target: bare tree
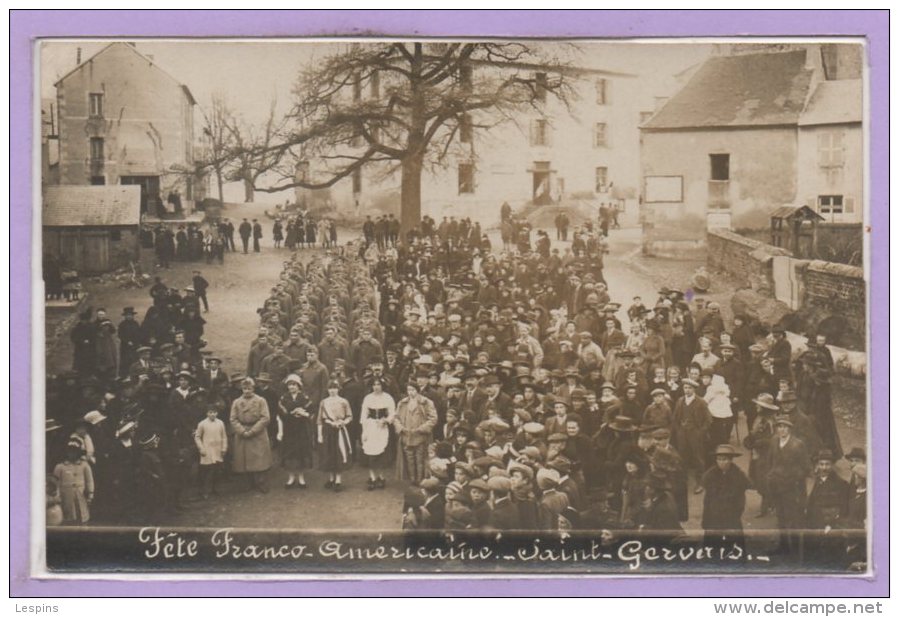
219,153
400,106
255,149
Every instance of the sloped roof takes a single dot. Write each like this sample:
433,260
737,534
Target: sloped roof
795,212
84,206
746,90
187,91
834,102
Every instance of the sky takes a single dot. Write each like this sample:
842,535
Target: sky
249,73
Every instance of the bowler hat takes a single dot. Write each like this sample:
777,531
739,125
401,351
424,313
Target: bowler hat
825,455
857,453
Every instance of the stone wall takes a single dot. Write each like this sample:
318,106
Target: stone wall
747,260
835,294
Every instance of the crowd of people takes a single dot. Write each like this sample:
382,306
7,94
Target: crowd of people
504,390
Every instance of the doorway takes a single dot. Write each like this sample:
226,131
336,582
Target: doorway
542,182
150,200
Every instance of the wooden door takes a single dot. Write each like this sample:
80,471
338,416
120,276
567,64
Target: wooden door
70,249
95,246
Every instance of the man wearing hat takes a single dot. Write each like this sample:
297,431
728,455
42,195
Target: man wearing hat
788,467
781,353
690,425
724,500
504,514
433,513
665,460
213,378
141,369
479,493
826,511
130,338
759,442
658,413
497,402
552,501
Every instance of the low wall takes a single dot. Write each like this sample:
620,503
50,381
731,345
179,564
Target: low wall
747,260
836,295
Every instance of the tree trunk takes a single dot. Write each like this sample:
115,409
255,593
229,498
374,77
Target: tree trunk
218,179
248,191
410,193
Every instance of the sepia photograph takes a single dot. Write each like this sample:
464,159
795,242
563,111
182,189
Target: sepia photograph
467,306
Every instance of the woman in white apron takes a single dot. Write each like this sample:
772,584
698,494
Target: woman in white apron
378,413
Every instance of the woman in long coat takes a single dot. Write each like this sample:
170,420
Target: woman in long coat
76,486
249,420
334,414
296,444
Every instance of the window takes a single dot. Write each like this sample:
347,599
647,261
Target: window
465,129
830,149
602,91
375,85
830,204
96,104
465,77
97,149
98,180
357,87
357,180
720,166
539,132
466,178
540,85
602,179
600,137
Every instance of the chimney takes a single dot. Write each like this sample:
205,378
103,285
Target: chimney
78,56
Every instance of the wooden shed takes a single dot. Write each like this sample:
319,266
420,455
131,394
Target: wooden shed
795,228
91,229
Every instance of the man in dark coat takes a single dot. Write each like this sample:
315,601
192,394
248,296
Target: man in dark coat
257,235
725,487
788,466
690,425
130,338
826,512
434,508
245,230
504,514
200,286
781,353
84,338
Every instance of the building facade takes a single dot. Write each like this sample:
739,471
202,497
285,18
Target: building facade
752,132
124,120
549,154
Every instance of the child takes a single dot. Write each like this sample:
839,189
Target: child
76,486
54,507
212,442
717,395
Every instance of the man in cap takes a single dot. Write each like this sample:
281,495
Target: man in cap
434,507
552,501
788,467
504,514
826,510
213,378
479,493
141,369
260,349
665,460
724,500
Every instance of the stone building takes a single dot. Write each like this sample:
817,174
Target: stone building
587,152
751,132
124,120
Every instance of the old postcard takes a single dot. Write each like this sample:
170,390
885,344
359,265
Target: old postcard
458,306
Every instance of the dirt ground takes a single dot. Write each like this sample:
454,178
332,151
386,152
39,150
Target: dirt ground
238,287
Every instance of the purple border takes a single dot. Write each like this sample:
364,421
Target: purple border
27,25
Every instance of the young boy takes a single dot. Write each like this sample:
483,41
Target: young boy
212,442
